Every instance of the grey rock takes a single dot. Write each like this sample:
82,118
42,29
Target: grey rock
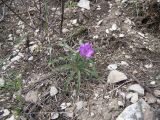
136,88
157,93
53,91
137,111
116,76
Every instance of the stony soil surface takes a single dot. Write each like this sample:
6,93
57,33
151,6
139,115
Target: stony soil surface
125,35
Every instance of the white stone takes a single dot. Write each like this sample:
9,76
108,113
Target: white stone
153,82
116,76
95,37
139,110
32,96
107,31
136,88
54,115
2,82
157,93
148,66
30,58
114,27
124,63
74,22
65,30
84,4
92,114
98,7
121,35
65,105
53,91
112,67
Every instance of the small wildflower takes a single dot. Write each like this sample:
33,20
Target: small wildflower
86,50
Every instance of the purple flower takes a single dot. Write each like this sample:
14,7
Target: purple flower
86,50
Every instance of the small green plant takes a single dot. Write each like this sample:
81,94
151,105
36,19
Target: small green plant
78,64
13,85
70,4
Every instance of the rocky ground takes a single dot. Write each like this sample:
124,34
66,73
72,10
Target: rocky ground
125,36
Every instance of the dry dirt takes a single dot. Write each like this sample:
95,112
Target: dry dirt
135,41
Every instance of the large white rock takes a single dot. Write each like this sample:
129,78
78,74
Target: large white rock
137,111
116,76
136,88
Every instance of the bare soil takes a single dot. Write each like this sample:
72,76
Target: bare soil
139,47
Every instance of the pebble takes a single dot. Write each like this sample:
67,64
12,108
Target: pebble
107,31
74,22
65,30
153,82
53,91
116,76
114,27
65,105
148,66
54,115
95,37
98,7
121,35
157,93
112,67
124,63
30,58
136,88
